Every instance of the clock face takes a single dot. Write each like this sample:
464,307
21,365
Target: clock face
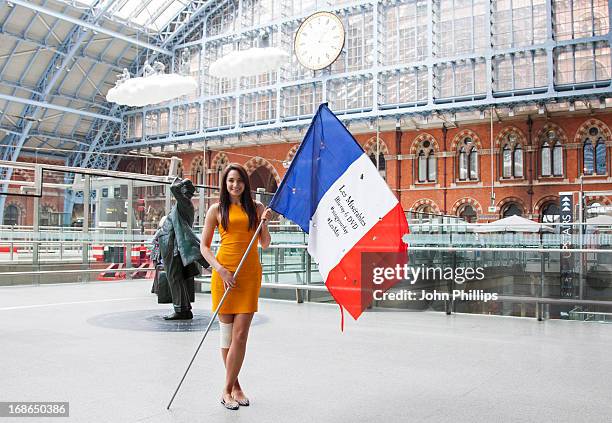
319,40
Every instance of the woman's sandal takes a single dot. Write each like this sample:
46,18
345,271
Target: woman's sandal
230,405
243,402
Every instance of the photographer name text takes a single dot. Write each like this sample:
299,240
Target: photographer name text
456,294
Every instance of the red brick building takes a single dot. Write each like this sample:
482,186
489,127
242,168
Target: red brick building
431,170
19,210
448,170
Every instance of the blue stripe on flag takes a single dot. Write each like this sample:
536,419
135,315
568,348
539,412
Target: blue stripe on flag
328,149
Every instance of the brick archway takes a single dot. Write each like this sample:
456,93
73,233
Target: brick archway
50,206
422,138
196,166
581,133
20,207
217,166
598,199
196,163
23,175
257,162
522,139
220,158
543,201
158,167
554,127
502,203
469,201
133,167
541,204
425,202
463,134
370,146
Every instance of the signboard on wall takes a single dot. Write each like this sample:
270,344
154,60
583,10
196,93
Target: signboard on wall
566,218
113,213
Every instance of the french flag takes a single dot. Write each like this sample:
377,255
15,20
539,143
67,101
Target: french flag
333,191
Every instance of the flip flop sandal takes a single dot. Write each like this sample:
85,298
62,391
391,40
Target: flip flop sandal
230,405
243,402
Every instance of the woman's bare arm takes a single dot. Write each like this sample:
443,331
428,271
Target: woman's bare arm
210,223
264,234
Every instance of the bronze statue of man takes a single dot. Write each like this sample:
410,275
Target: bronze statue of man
180,250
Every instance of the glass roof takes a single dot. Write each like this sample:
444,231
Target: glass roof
150,14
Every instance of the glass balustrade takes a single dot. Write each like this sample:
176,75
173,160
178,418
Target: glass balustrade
107,234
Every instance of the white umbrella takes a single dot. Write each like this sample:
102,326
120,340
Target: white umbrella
602,219
512,224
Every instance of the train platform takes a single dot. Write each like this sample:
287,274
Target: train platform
105,349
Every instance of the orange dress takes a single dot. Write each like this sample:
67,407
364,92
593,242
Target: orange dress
244,296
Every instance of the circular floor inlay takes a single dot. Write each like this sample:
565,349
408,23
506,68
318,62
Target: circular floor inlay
153,321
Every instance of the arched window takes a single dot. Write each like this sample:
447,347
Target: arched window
422,166
594,153
546,161
160,168
424,209
11,215
557,166
426,162
382,164
376,148
468,160
512,209
424,213
512,158
473,163
589,156
262,177
550,213
47,216
467,213
518,161
463,164
600,157
551,155
199,176
507,161
431,166
219,168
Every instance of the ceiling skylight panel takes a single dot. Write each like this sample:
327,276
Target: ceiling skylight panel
173,8
149,11
129,7
86,2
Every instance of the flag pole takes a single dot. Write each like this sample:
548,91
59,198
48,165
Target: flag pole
214,316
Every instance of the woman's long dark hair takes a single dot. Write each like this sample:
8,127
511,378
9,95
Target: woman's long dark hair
248,205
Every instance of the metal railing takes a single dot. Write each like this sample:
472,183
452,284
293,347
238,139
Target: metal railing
524,269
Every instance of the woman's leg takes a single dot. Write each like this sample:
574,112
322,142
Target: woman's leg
226,318
236,352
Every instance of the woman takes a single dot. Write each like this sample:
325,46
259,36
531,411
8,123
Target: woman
236,216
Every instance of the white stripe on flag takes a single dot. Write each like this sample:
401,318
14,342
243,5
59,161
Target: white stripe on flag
339,223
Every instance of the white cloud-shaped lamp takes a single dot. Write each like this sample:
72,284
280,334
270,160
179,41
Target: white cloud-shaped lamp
156,86
253,61
152,89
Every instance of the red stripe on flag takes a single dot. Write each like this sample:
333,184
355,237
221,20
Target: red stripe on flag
344,281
